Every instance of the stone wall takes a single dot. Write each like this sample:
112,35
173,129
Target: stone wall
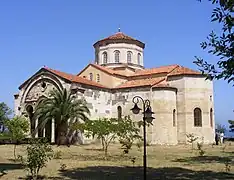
193,92
162,101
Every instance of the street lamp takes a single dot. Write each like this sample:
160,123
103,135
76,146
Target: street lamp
147,117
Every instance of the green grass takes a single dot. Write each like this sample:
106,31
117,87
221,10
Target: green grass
89,162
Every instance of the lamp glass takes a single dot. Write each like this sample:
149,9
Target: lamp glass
148,115
136,109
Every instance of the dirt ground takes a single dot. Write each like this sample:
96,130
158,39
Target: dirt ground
87,162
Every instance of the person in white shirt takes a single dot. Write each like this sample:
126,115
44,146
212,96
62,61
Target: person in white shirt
221,137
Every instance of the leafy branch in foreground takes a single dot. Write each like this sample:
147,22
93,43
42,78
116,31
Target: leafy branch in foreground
221,45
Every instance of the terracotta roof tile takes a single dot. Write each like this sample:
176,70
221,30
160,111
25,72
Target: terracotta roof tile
74,78
180,70
108,70
118,37
140,82
157,70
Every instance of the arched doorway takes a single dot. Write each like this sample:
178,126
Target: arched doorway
29,110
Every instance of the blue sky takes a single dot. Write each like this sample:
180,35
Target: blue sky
60,35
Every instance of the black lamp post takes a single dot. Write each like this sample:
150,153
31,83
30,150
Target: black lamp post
147,117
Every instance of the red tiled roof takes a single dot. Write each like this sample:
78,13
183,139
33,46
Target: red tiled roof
157,70
107,70
120,36
141,82
74,78
180,70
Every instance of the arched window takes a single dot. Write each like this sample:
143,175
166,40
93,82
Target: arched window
117,54
119,109
197,117
211,117
139,58
129,56
104,57
174,117
91,76
98,77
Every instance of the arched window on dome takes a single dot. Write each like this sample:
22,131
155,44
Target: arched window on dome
129,57
104,57
197,117
139,58
117,54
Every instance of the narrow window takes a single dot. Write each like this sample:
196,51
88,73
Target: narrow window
91,76
139,58
119,109
197,117
104,57
98,78
174,117
129,56
211,117
117,53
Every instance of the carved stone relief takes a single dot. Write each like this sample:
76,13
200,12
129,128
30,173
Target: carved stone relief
41,88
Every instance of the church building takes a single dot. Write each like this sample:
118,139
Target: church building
181,98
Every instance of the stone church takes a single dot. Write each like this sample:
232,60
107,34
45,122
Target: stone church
181,98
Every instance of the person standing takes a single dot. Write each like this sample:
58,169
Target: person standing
216,138
221,137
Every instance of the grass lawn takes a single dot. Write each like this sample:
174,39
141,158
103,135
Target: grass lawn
87,162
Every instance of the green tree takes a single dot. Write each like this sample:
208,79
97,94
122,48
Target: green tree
5,111
64,109
109,129
104,129
231,125
38,153
221,45
220,128
18,128
127,133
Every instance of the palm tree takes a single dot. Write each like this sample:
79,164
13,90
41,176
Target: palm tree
64,109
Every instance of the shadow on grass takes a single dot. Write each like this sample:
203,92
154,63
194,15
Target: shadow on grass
95,149
97,157
130,173
205,159
4,167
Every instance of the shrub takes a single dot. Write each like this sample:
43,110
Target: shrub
139,144
38,153
18,128
63,167
58,154
200,150
191,139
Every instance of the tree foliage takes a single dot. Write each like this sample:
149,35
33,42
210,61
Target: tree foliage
18,128
231,125
109,129
5,111
63,108
220,128
220,45
38,153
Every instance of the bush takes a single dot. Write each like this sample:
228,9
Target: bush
139,144
38,153
58,155
200,150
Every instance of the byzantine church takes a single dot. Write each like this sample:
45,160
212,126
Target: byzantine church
181,98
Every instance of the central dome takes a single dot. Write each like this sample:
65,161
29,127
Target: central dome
119,37
119,49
